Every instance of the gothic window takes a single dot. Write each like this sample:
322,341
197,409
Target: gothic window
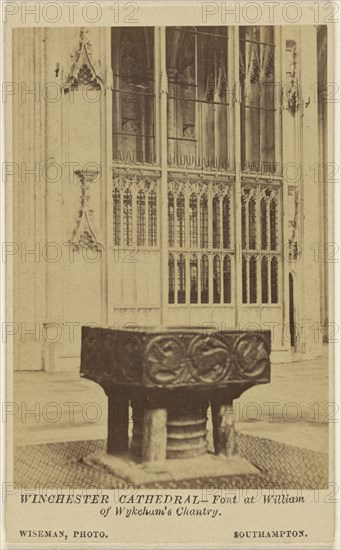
197,96
260,209
209,281
265,280
244,280
171,278
133,94
216,222
117,216
194,279
204,279
203,221
170,219
193,220
249,219
141,218
274,280
180,220
133,213
273,225
227,279
152,219
264,224
226,222
252,224
243,223
127,218
181,279
256,73
253,280
269,273
216,280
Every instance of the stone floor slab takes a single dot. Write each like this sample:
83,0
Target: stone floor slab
63,465
207,465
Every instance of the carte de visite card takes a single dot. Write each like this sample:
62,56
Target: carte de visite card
171,256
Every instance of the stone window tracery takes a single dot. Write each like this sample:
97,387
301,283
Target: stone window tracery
194,279
216,222
256,73
117,216
133,96
253,279
227,279
197,96
193,223
180,220
203,221
201,234
141,218
170,219
226,222
265,282
152,219
171,279
260,246
209,277
127,217
274,280
204,279
181,279
135,215
216,279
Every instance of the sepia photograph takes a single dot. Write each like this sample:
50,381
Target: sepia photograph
170,252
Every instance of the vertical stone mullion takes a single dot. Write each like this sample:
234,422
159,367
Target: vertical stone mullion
236,151
199,277
210,245
122,244
268,265
247,211
221,223
197,239
221,246
117,102
248,110
176,241
230,83
106,160
221,266
187,278
269,249
199,222
176,259
160,60
186,217
146,216
262,101
187,245
277,99
134,191
134,234
247,270
172,115
257,254
283,156
157,99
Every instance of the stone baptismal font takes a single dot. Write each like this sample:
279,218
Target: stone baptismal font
173,381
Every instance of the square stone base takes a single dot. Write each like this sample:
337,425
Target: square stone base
207,465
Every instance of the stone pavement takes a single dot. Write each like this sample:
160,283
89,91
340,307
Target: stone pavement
62,465
282,426
294,408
